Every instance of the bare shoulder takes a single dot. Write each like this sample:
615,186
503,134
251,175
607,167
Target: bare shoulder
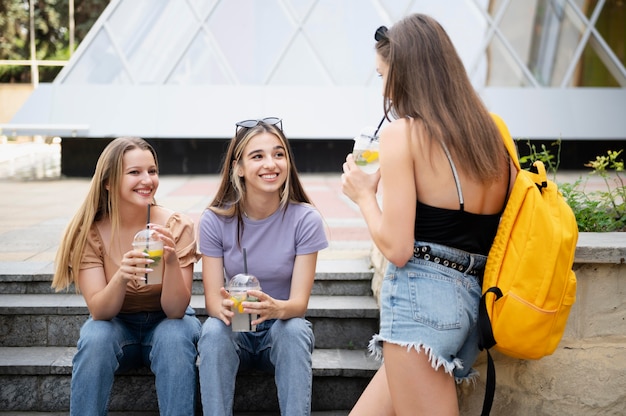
396,136
407,128
397,127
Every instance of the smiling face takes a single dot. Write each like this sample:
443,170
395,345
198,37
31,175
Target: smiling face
140,178
263,164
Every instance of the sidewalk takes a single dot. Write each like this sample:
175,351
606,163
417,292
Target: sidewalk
33,214
36,204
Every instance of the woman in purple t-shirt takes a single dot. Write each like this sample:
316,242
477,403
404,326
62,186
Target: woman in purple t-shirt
261,207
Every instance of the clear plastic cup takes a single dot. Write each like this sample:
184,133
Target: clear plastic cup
146,242
238,288
365,151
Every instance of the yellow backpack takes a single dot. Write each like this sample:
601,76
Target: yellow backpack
529,286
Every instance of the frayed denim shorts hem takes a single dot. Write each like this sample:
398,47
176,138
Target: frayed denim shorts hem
433,309
452,368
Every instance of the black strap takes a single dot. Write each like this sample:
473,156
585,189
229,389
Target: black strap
490,386
508,186
486,340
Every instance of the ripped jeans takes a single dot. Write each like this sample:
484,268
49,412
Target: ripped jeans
433,308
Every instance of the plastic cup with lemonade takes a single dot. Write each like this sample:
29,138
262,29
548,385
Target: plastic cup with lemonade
238,288
146,242
365,151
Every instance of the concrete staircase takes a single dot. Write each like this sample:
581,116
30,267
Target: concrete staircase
39,330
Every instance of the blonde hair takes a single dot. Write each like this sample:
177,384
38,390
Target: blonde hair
426,80
101,202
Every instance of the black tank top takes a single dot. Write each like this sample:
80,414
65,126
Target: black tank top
466,231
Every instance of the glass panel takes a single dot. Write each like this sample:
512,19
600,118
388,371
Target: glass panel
397,9
556,35
349,27
543,42
493,7
99,64
463,22
263,45
591,72
588,6
612,27
454,15
132,20
299,8
300,66
515,26
152,34
254,41
199,65
203,6
569,37
503,70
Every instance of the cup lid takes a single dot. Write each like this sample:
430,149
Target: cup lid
367,133
244,281
144,235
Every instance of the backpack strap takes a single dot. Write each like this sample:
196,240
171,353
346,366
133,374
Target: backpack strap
490,386
486,339
541,180
510,147
507,139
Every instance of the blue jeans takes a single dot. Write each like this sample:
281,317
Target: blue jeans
167,346
281,347
433,308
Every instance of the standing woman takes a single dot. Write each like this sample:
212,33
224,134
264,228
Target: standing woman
262,207
445,175
131,324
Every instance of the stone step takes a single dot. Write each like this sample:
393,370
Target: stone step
348,277
37,379
55,319
39,330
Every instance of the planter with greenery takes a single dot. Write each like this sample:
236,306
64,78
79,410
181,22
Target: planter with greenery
597,210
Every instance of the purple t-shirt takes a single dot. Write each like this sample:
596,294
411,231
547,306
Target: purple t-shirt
271,244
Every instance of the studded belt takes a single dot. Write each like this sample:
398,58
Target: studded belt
423,252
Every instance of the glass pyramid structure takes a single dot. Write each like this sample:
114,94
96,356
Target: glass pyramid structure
192,68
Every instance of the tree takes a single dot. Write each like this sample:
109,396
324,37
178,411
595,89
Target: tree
51,33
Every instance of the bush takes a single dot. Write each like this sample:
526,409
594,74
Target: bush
595,211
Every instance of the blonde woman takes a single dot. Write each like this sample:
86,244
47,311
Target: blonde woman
131,324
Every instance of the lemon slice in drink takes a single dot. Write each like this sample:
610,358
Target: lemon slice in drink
237,304
370,156
155,253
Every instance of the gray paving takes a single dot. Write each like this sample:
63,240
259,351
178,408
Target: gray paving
37,203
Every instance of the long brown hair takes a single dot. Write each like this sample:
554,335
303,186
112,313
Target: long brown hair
231,192
427,81
99,203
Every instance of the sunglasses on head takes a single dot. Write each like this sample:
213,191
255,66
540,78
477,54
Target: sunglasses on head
381,33
248,124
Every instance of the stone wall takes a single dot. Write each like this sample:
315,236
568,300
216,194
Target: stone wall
586,375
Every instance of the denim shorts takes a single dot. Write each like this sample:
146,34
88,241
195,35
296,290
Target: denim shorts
432,307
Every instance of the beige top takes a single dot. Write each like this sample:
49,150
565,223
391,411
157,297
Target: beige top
142,298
